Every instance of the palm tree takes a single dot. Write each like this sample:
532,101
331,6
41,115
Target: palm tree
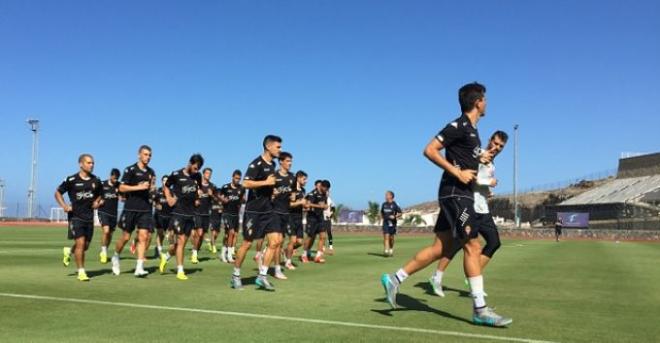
337,212
414,219
373,212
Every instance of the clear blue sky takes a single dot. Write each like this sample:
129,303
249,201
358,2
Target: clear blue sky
355,88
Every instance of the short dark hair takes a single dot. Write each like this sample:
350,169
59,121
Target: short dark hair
301,173
391,193
270,139
115,172
209,169
469,94
237,172
501,135
196,159
317,182
82,157
326,184
144,147
284,155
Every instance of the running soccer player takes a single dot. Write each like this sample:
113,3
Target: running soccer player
258,218
137,183
232,196
216,221
389,212
559,224
316,202
283,196
162,215
460,139
108,212
202,212
84,191
296,227
181,191
483,220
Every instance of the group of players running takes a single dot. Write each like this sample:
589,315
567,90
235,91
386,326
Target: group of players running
188,205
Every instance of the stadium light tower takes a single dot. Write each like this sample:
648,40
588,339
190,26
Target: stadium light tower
516,214
2,198
32,191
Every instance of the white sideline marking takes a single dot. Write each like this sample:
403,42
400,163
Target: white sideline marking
265,316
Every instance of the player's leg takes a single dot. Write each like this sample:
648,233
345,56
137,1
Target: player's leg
493,243
181,240
386,243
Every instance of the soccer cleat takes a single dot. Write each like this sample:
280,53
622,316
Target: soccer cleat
230,258
214,250
289,266
488,317
66,258
304,259
193,259
263,283
115,266
319,259
331,251
103,257
163,263
223,258
141,273
181,276
83,276
236,283
391,288
133,247
437,287
210,247
279,275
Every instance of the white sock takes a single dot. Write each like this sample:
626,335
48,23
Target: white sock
330,247
278,268
288,261
263,270
477,287
140,265
224,251
179,269
116,255
160,249
167,256
305,253
81,270
104,249
237,271
231,251
258,255
401,275
194,252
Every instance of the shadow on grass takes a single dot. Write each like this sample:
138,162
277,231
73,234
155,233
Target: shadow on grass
428,289
94,273
377,254
407,303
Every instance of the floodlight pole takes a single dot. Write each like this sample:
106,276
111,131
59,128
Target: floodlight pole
32,191
516,213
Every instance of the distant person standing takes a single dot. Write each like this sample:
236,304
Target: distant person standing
558,226
389,212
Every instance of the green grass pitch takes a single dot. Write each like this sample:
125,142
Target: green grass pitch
572,291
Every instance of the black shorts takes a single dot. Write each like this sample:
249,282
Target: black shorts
162,222
256,225
295,226
389,230
182,224
108,220
80,228
456,214
281,222
216,221
558,230
202,222
327,225
484,223
230,221
131,220
314,226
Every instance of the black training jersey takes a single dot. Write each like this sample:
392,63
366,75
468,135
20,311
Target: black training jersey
216,205
284,185
462,149
298,210
160,199
390,209
260,199
235,197
82,193
185,189
137,201
316,197
205,198
110,198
